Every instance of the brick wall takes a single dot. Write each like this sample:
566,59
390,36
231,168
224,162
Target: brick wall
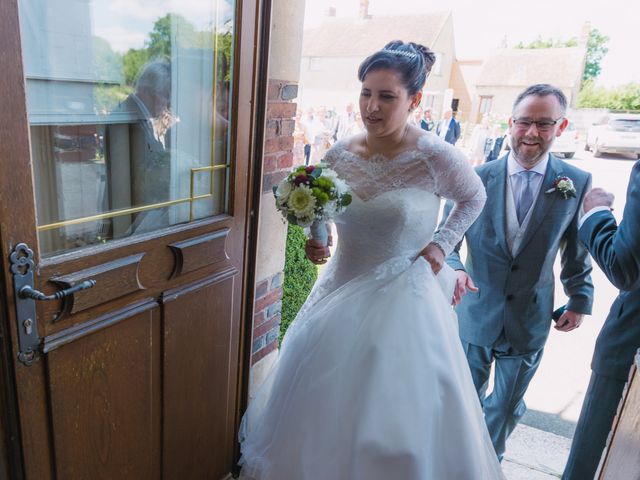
277,163
278,148
266,318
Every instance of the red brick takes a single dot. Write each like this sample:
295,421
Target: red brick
270,298
271,179
287,127
285,160
273,90
281,110
270,163
266,326
278,144
263,352
259,318
273,129
262,288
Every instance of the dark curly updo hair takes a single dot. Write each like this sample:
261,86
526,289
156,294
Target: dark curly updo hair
411,60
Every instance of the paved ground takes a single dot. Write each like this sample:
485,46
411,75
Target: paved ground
539,447
534,454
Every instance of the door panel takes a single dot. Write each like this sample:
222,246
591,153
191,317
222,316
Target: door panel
111,379
145,193
199,405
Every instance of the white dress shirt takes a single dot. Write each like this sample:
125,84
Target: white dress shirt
591,212
444,127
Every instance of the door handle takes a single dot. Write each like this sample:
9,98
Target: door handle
22,267
28,291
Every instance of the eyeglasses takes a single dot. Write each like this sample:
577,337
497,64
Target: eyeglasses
541,125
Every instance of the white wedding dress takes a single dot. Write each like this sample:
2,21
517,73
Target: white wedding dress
371,382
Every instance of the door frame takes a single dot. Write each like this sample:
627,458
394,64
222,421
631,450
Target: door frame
16,183
263,30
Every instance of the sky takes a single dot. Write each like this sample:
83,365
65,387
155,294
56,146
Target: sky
481,25
127,23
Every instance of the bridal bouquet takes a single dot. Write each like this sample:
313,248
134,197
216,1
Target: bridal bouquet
309,196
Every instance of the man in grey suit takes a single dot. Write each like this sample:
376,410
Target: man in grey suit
511,247
616,249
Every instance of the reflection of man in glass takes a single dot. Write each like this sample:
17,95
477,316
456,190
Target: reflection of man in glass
148,141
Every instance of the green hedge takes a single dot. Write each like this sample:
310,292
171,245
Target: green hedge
299,276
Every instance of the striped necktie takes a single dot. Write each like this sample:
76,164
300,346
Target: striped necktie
526,195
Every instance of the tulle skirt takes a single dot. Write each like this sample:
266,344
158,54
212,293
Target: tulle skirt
371,383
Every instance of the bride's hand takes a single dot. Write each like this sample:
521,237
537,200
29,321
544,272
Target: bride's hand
316,252
433,254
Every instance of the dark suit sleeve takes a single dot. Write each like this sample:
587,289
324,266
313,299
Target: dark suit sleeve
576,265
453,259
616,248
456,131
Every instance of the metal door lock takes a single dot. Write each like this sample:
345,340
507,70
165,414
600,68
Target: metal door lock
25,296
28,326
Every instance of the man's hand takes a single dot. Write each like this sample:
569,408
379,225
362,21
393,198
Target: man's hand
316,252
569,321
433,254
463,283
597,197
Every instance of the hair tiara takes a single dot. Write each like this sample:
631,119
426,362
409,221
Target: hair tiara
402,53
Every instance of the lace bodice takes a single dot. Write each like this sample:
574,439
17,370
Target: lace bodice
403,194
395,209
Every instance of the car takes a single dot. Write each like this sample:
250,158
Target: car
567,143
619,134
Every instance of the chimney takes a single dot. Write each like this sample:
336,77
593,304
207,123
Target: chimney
584,34
364,9
331,12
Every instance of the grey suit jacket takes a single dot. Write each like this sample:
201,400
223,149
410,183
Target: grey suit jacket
616,249
516,292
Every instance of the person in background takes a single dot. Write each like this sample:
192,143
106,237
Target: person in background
448,128
427,123
478,142
346,124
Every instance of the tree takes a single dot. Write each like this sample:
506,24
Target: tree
548,43
132,63
596,50
624,97
159,43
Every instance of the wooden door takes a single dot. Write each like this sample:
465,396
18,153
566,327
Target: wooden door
621,457
125,142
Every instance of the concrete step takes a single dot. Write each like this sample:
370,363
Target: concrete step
534,454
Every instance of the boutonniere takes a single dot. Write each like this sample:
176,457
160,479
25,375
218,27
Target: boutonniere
564,186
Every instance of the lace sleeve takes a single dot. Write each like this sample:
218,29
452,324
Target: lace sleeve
332,155
456,180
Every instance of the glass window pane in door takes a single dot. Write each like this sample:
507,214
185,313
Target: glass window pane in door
129,104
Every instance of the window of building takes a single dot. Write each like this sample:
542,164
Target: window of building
437,66
485,104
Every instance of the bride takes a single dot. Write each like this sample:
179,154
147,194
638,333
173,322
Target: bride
372,382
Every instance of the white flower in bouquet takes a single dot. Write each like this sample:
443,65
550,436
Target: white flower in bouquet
283,191
340,186
330,210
